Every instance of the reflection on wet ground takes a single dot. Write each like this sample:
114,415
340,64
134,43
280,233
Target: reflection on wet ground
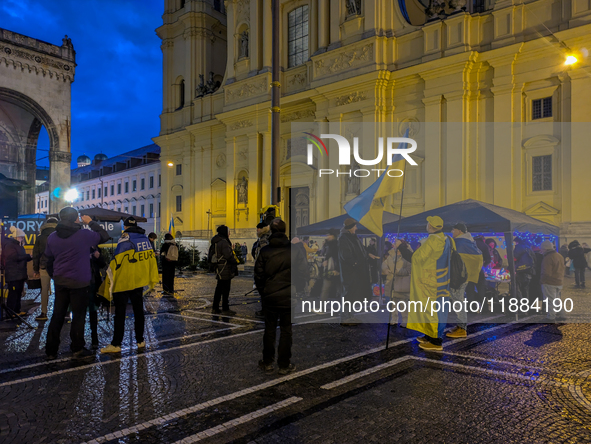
198,380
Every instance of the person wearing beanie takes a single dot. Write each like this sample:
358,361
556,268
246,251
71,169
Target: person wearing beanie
15,258
132,268
577,253
222,256
263,233
169,253
40,264
68,262
429,281
354,270
552,276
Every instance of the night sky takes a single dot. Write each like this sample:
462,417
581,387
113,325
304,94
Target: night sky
117,89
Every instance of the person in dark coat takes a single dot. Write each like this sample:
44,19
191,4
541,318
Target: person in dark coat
496,259
577,253
68,259
374,260
331,267
226,269
97,263
40,264
480,287
279,271
15,258
168,265
524,267
353,261
535,287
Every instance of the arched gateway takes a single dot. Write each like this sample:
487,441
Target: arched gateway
35,91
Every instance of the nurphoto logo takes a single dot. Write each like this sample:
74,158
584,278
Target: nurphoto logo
394,153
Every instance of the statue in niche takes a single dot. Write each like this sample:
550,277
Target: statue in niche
212,85
353,182
242,189
244,44
353,7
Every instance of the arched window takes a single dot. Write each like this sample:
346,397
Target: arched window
181,98
297,37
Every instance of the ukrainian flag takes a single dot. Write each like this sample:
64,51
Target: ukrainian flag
471,255
171,228
368,207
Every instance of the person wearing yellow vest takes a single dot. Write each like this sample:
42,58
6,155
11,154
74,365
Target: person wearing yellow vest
132,268
429,285
472,257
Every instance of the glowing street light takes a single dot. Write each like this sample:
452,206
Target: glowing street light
170,164
570,60
71,195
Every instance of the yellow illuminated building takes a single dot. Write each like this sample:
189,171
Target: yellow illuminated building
362,61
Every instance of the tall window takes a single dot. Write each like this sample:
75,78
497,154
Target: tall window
142,210
134,185
159,180
542,173
159,209
179,169
297,40
133,209
151,181
93,193
88,195
127,187
151,210
118,188
179,204
142,183
99,191
181,94
541,108
105,191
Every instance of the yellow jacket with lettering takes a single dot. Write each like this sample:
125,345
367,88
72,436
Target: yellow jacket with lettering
430,282
133,264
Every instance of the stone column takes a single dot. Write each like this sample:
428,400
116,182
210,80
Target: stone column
434,188
230,191
335,21
267,36
323,28
253,173
59,177
455,156
265,182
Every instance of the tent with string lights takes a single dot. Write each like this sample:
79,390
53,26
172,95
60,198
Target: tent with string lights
481,219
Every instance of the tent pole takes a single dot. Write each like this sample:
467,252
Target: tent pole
396,254
510,259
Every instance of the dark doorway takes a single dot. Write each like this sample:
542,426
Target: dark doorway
299,209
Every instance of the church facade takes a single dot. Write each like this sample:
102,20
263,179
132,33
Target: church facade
496,69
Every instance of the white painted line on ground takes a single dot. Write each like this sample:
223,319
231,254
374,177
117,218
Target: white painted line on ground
369,371
201,319
224,316
124,358
238,421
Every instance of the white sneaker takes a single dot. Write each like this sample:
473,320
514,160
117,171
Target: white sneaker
111,349
141,344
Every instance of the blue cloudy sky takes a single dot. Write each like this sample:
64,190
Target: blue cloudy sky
117,92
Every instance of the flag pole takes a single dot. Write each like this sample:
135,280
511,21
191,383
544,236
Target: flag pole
396,252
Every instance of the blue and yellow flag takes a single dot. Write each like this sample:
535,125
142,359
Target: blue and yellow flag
471,255
171,228
368,207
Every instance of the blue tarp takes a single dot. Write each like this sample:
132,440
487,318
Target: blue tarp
321,228
480,217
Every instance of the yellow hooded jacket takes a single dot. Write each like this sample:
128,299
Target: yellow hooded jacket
429,282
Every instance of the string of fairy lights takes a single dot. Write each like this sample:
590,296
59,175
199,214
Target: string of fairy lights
534,239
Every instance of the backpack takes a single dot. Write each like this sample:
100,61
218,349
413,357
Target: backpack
173,253
458,274
212,256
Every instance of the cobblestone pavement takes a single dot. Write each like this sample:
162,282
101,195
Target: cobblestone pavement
198,381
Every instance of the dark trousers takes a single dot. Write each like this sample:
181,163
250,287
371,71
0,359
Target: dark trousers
523,281
137,303
168,275
15,291
580,276
270,335
92,313
77,299
222,292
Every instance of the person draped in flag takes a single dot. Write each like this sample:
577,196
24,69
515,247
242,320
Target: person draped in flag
132,268
472,257
429,283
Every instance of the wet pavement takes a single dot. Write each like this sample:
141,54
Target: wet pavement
197,381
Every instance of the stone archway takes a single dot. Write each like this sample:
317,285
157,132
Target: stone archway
35,84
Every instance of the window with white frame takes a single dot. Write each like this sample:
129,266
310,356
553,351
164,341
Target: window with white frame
542,173
297,38
541,108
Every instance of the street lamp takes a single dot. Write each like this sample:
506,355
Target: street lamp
71,195
170,164
570,60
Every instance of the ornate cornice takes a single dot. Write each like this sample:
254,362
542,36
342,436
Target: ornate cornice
296,115
241,124
245,90
357,96
17,57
